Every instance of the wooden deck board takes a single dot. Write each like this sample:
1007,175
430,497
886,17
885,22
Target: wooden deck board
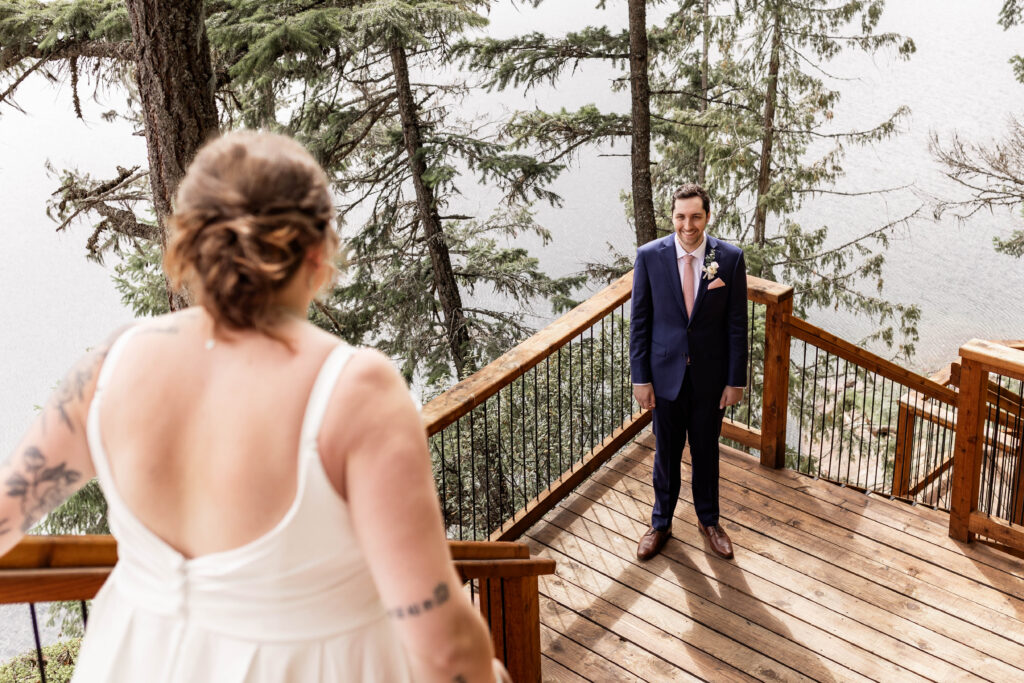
827,584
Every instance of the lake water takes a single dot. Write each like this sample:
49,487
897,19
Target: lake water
55,304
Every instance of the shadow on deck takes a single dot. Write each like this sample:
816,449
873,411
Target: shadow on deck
827,584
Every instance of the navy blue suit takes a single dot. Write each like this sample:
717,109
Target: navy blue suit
689,360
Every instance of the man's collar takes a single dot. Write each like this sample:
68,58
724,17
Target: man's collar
698,253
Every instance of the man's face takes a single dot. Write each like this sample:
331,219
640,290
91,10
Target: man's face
689,220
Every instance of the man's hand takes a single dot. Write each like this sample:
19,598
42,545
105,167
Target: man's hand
730,397
644,395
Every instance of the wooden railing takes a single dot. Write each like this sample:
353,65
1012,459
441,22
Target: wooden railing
577,426
503,578
990,431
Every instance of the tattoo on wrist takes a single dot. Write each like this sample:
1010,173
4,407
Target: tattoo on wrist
39,488
438,598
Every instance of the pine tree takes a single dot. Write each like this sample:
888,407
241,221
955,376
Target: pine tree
536,59
172,78
766,102
993,174
337,76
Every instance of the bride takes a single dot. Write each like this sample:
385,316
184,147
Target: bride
270,488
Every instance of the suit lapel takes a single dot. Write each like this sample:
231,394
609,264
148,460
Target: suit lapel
668,260
702,286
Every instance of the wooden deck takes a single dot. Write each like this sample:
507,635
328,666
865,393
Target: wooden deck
828,584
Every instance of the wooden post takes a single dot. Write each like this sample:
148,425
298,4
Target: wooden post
511,606
906,419
775,396
970,426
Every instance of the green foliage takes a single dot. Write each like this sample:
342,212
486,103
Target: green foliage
59,659
83,513
322,72
729,133
139,278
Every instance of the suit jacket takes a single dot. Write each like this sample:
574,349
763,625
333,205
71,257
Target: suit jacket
662,336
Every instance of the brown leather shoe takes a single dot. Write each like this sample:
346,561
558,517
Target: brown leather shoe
718,539
652,543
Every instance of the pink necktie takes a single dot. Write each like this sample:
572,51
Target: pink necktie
688,283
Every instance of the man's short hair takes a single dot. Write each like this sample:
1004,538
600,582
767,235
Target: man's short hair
692,190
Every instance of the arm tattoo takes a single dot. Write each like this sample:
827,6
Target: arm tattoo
438,598
39,488
72,387
459,679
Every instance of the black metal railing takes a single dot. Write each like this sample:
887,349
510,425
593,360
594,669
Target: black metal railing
507,450
852,424
1001,492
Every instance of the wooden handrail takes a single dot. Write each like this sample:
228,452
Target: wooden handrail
74,567
802,329
995,357
474,390
762,291
488,550
62,551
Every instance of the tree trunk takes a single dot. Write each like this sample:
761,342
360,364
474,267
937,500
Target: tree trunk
176,88
444,276
768,134
643,197
702,164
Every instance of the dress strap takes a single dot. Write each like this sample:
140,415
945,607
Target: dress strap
320,396
110,361
92,425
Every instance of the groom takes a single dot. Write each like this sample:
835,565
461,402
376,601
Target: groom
688,358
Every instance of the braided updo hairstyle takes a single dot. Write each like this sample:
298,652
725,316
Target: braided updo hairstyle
249,208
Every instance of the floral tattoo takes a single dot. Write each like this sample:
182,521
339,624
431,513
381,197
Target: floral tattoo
39,488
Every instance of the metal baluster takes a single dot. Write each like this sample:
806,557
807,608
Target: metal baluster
860,444
444,483
1018,449
472,466
547,419
888,432
583,392
872,442
1005,482
814,407
603,388
458,465
835,417
536,431
824,406
39,644
993,434
85,613
593,426
560,467
572,435
800,409
853,411
487,473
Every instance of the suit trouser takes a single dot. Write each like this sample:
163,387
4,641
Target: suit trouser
674,422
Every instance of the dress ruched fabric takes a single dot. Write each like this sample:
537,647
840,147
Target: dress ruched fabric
296,604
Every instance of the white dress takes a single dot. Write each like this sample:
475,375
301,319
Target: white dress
296,604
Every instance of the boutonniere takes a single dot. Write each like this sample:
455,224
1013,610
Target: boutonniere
710,265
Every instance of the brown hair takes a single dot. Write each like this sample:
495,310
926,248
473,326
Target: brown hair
691,190
247,211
